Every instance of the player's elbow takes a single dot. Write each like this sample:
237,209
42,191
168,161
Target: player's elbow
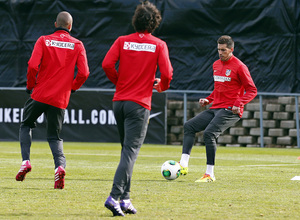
106,65
32,67
254,91
251,90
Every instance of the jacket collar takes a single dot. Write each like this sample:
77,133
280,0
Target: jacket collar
62,29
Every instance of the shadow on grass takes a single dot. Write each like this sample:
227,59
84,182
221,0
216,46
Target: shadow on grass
52,179
13,188
101,180
16,214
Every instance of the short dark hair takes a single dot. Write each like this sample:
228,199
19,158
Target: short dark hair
146,17
225,39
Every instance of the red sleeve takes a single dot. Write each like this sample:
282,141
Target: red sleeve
34,63
83,68
249,86
165,67
110,60
210,98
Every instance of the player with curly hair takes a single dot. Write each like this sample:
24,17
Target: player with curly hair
138,55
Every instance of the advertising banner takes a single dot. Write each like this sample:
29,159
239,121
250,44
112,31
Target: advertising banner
88,118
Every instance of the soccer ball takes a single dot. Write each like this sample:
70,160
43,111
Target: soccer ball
170,170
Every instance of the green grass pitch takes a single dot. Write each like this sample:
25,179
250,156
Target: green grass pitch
252,183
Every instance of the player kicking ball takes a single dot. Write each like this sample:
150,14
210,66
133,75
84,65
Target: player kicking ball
233,88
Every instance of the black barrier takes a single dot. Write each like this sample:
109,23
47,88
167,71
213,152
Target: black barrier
88,118
266,34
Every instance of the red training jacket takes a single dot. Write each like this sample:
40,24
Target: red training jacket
232,79
51,68
139,54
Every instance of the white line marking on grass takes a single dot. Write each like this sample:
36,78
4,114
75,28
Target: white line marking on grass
296,178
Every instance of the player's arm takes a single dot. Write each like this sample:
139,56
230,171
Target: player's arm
165,69
110,60
34,63
249,86
209,99
83,68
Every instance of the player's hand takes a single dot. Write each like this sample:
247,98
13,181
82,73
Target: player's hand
203,102
28,91
157,85
236,110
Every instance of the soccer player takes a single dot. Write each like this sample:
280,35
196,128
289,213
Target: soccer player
50,81
138,55
233,88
